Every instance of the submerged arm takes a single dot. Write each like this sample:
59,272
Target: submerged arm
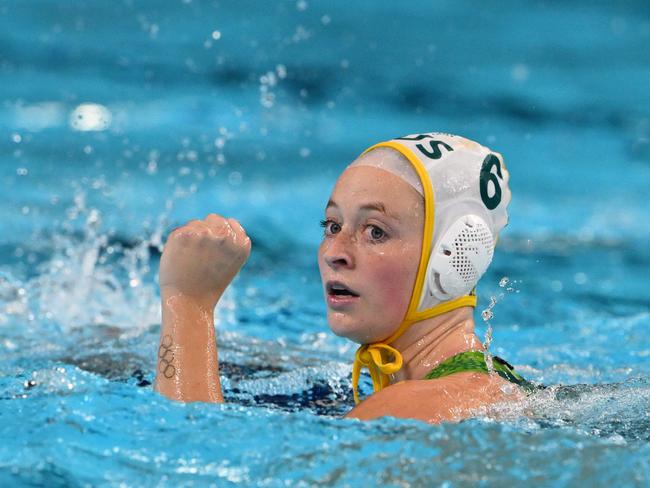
200,259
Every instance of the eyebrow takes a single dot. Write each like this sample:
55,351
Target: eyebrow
368,206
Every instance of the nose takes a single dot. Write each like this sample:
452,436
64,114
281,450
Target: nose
338,251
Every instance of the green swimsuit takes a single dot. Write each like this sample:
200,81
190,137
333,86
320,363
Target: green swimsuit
475,361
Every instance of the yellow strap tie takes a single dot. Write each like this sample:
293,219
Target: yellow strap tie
381,360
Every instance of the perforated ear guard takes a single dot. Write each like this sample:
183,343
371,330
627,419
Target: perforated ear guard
462,255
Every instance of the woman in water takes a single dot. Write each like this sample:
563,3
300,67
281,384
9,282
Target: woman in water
409,229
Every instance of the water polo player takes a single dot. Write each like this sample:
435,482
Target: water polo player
409,230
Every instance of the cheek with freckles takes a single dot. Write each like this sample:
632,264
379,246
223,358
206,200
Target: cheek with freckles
393,281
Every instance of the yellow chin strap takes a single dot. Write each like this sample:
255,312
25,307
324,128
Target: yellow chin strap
380,358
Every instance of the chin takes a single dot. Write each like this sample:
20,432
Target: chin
355,330
344,326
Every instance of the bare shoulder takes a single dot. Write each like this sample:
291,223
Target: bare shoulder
452,398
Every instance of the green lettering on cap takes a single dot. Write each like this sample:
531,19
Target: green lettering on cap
433,151
491,161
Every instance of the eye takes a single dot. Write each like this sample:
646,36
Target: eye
330,226
377,233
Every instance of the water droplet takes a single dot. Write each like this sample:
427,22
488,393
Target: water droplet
504,281
90,117
267,100
519,72
580,278
487,314
235,178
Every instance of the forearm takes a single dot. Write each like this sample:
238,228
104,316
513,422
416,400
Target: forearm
187,368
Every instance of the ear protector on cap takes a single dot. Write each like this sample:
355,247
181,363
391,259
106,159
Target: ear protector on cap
462,255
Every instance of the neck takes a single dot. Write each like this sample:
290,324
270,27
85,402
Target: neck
429,342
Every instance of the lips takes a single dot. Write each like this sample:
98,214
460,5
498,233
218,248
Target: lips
340,297
338,288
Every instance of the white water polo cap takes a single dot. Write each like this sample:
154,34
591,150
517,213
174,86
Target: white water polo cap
465,187
466,195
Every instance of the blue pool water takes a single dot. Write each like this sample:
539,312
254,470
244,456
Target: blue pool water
120,120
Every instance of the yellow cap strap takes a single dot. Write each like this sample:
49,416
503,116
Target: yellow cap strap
381,360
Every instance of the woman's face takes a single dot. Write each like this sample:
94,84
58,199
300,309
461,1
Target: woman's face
371,247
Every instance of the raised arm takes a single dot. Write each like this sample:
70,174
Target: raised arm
199,261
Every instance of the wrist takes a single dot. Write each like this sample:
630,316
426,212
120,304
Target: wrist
187,320
172,296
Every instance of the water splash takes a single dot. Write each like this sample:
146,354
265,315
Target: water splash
487,314
268,81
81,282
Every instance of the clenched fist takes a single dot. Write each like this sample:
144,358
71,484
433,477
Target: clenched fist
201,258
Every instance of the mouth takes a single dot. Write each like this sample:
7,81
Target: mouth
340,297
339,289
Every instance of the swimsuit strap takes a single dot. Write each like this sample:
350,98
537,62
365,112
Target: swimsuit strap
475,361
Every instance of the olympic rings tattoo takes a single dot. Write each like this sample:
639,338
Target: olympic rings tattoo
166,357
